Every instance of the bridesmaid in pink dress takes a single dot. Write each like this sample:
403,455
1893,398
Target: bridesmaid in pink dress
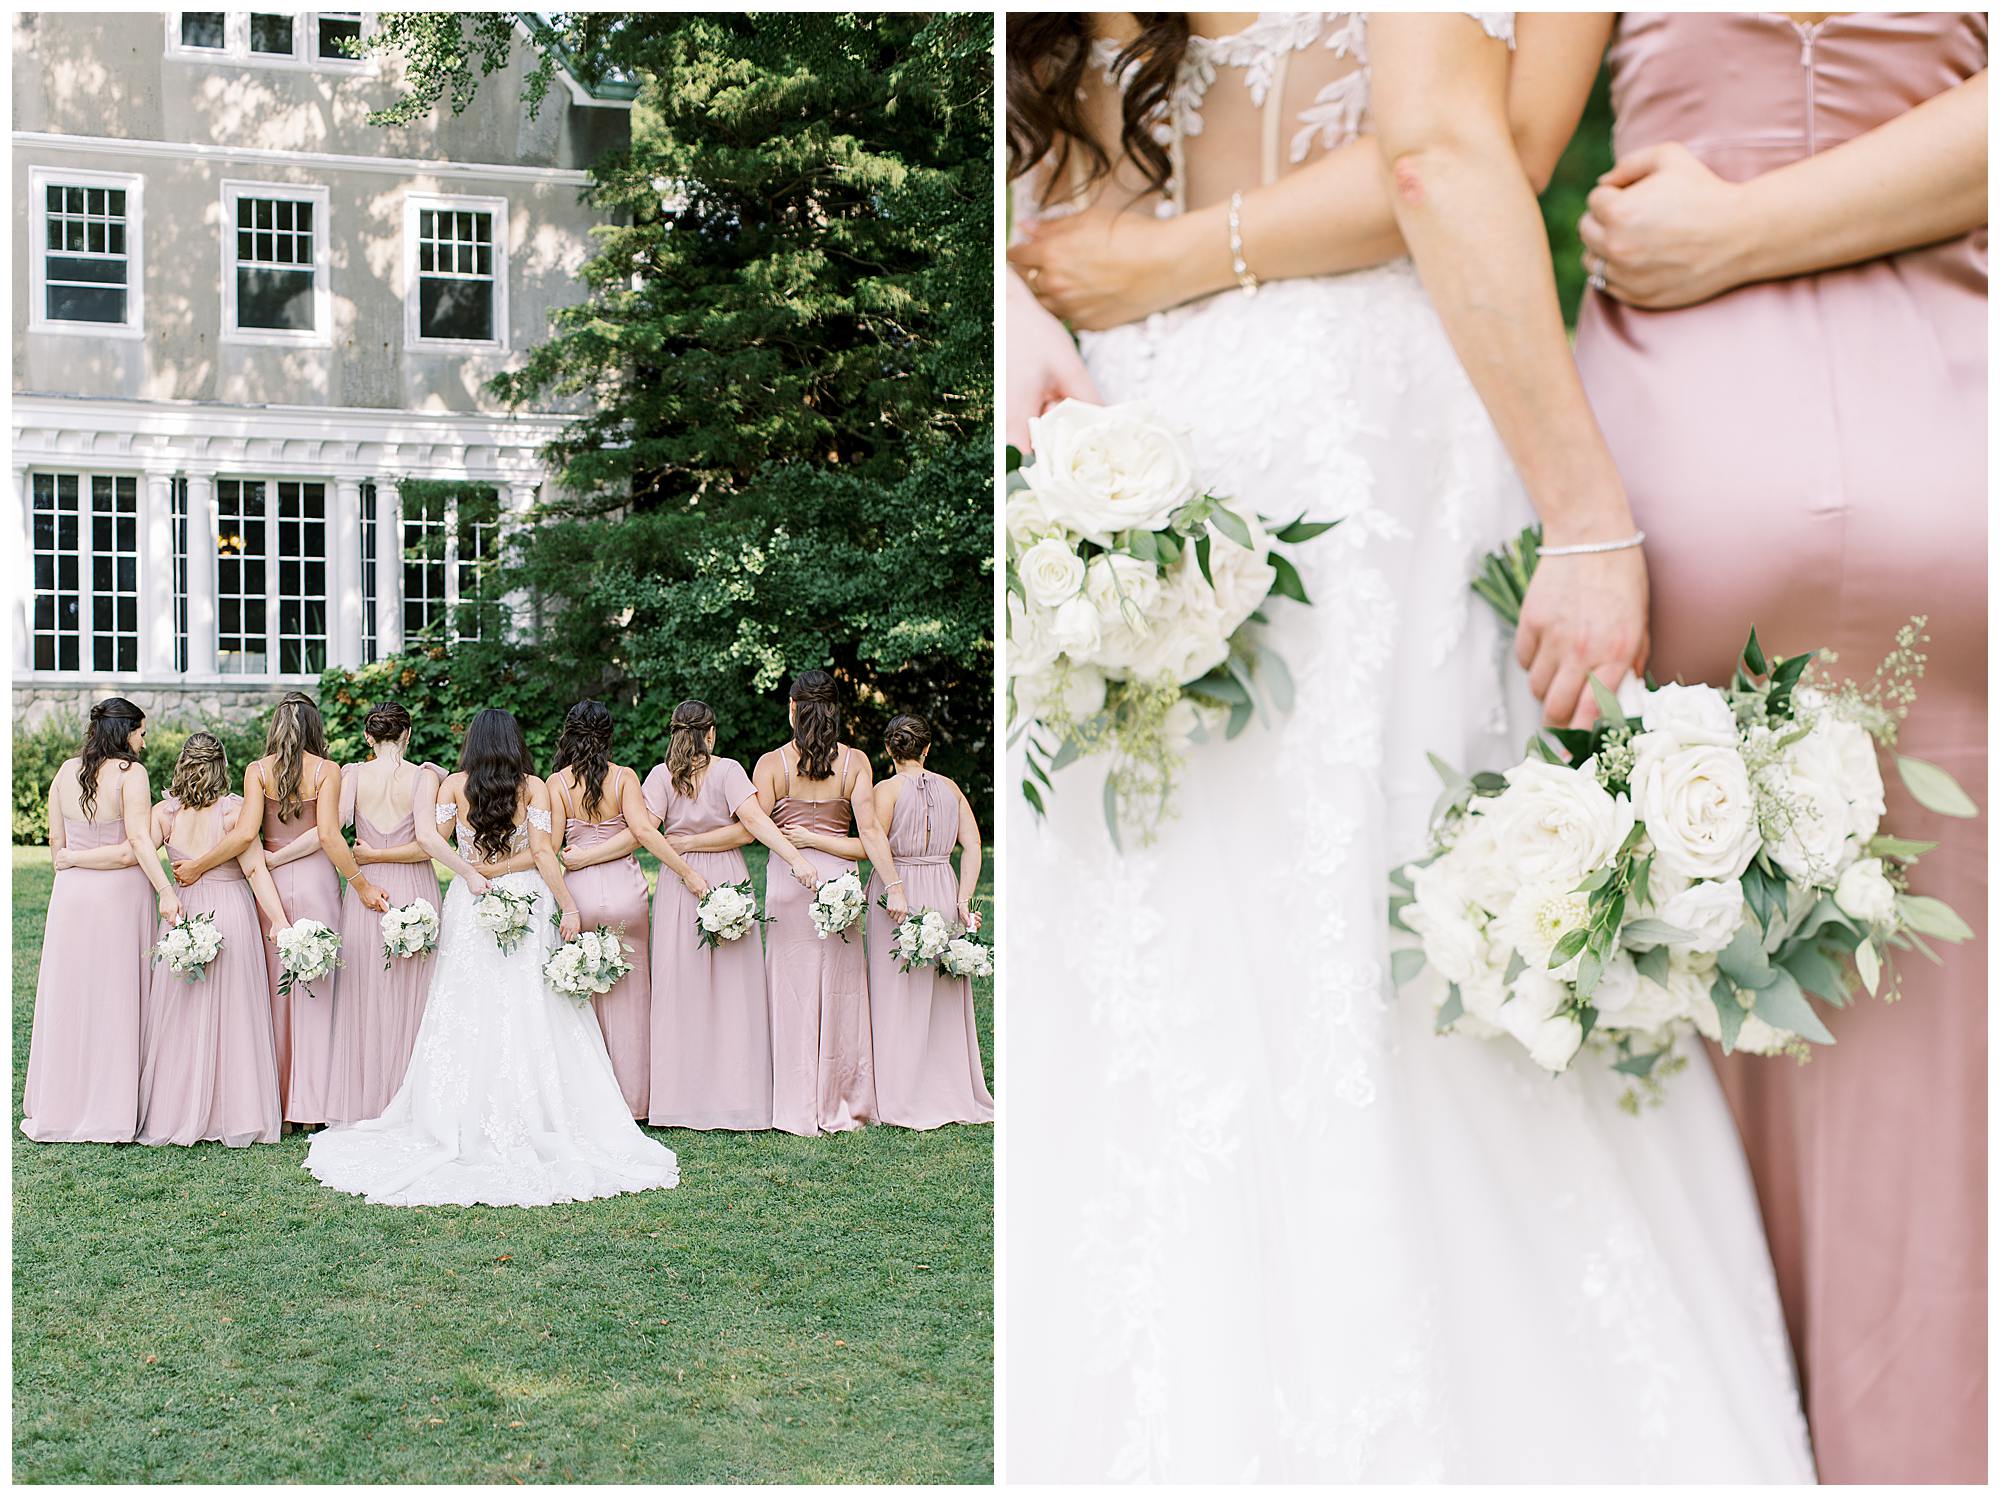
610,889
377,1010
1808,453
711,1041
926,1040
815,787
83,1058
209,1070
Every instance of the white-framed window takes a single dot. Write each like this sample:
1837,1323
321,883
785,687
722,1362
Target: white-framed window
455,273
275,264
84,540
86,269
178,516
451,541
314,40
270,576
114,572
56,539
368,650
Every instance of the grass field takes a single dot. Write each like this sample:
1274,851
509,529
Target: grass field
799,1310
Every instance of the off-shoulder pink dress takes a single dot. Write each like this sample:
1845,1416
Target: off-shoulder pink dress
926,1040
83,1060
302,1021
614,894
376,1012
1809,455
711,1015
822,1061
209,1070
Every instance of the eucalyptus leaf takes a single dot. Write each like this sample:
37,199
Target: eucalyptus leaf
1277,678
1817,973
1288,584
1607,703
1653,965
1783,1006
1451,1010
1405,963
1033,797
1230,524
1903,849
1728,1012
1753,655
1743,961
1659,932
1572,942
1067,753
1111,812
1869,965
1933,917
1934,789
1302,530
1515,965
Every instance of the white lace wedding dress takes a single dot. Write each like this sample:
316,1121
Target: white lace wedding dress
510,1099
1262,1223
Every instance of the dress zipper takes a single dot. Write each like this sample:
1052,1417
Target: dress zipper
1807,36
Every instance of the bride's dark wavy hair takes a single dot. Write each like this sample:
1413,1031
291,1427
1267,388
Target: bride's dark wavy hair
112,722
495,761
585,746
1048,56
816,727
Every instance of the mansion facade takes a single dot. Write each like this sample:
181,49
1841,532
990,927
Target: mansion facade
252,335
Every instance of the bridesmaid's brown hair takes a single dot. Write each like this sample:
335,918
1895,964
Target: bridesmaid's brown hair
296,730
386,722
112,722
585,746
816,729
201,774
687,748
906,737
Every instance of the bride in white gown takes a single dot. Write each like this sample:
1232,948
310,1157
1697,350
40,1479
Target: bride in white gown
510,1099
1262,1223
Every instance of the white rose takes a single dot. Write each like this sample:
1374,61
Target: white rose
1051,571
1484,865
1125,592
1028,519
1556,824
1840,755
1688,715
1102,469
1029,648
1866,893
1632,696
1710,911
1533,1016
1180,649
1074,629
1243,577
1697,805
1453,934
1806,822
1628,1000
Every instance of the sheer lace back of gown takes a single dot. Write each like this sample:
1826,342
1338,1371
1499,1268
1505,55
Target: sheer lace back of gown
447,812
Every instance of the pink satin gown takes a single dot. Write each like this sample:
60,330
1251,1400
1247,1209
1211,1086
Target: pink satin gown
302,1020
1809,455
615,894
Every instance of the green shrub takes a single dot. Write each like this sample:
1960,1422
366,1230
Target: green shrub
39,752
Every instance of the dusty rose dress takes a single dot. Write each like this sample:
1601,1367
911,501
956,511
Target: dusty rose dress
614,894
83,1061
926,1042
711,1016
209,1069
376,1013
823,1069
1810,456
302,1021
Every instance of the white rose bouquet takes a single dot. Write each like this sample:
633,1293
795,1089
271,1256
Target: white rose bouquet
837,904
307,951
409,930
505,914
189,947
1703,858
591,963
922,936
1131,599
965,957
728,912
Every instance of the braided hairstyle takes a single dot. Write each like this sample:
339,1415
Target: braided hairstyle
687,746
296,730
201,774
584,745
816,724
109,735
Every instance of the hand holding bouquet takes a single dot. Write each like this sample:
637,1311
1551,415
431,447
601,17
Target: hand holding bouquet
837,903
921,936
728,913
506,914
190,946
307,951
589,965
409,930
965,957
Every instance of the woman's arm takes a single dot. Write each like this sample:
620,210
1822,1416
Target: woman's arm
971,853
1332,214
543,845
757,821
720,839
256,868
434,842
1469,217
619,844
1043,366
1669,232
632,806
875,841
249,821
334,841
113,855
136,800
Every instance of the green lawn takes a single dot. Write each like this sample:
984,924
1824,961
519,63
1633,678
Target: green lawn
799,1310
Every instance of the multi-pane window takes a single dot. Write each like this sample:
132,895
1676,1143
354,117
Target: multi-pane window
459,270
204,30
271,35
337,32
426,523
301,563
451,544
368,573
242,525
114,572
178,495
86,269
478,532
275,264
56,541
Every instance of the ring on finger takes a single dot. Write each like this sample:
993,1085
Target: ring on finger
1595,265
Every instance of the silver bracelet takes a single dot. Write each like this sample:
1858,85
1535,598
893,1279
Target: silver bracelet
1245,277
1596,548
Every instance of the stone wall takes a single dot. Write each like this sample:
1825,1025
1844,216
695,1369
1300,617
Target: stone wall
169,701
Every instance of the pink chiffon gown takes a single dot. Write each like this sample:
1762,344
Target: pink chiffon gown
209,1069
926,1041
302,1021
376,1013
614,894
1809,455
823,1068
83,1059
711,1040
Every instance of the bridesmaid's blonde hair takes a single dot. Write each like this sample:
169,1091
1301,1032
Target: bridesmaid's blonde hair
687,749
201,774
296,730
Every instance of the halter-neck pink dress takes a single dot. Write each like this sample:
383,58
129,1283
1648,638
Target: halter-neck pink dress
1809,455
822,1060
926,1039
376,1012
302,1021
208,1068
711,1014
83,1059
614,894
